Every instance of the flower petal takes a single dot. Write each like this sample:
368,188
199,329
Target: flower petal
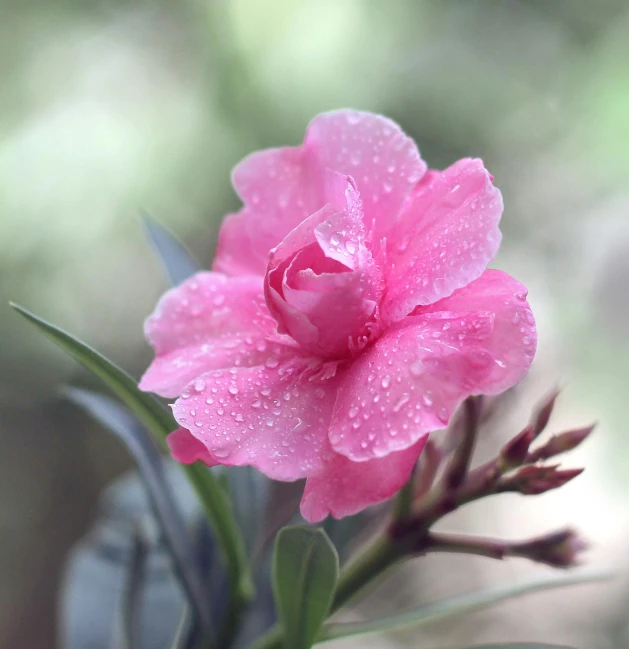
344,487
481,340
384,162
187,449
280,188
514,337
444,239
323,285
273,418
210,321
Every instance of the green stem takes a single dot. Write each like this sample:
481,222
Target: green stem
371,564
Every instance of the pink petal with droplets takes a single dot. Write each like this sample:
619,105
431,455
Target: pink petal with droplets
273,418
514,337
375,152
210,321
481,340
187,449
322,284
344,487
444,239
282,187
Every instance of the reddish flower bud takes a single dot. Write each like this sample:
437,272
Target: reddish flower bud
533,480
560,443
542,415
560,549
515,452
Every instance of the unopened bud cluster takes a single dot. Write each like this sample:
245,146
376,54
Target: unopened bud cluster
445,482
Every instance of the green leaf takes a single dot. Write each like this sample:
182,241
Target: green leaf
159,422
450,607
305,573
96,574
125,637
177,261
248,488
151,468
520,645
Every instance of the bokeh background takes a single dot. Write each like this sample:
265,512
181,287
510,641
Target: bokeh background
110,106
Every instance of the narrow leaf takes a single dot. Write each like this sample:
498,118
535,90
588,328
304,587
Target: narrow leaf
96,570
520,645
177,261
150,465
305,574
159,422
248,488
125,636
450,607
182,639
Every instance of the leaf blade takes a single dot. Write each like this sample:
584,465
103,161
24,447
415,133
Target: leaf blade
150,465
176,259
450,607
125,636
160,423
520,645
305,574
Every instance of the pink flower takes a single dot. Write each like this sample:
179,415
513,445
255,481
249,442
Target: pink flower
348,314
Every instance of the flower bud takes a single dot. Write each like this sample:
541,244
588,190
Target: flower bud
515,452
541,417
533,480
561,443
560,549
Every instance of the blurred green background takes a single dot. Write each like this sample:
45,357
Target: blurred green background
110,106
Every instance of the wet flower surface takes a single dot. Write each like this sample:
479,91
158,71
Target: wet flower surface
349,312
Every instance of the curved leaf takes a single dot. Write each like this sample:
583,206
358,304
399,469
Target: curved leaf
305,574
151,468
125,637
449,608
97,576
248,488
160,423
177,261
520,645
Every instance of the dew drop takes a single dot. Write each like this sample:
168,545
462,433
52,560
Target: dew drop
401,402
